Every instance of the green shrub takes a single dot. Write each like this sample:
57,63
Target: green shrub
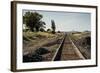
32,58
41,51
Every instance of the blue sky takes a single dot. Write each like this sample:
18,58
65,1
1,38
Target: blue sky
66,21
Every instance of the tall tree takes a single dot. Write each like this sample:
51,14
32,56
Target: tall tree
33,21
53,26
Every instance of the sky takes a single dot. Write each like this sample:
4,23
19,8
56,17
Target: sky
66,21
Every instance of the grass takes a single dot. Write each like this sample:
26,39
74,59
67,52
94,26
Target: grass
34,40
77,36
82,41
37,35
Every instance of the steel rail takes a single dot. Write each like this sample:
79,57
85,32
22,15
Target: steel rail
57,55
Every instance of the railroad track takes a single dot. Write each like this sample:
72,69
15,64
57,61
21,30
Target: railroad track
67,51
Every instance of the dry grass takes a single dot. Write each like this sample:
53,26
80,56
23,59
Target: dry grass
41,39
37,39
34,35
81,42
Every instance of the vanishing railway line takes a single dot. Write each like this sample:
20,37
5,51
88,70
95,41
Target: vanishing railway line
67,50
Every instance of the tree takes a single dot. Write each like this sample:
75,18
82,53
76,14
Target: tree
58,31
40,25
42,30
33,21
53,26
48,30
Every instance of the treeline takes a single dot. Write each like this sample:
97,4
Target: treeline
33,21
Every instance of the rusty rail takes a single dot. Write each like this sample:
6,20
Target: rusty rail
57,55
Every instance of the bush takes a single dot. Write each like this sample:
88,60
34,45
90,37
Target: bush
53,32
88,40
41,51
42,30
48,30
36,56
58,31
32,58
